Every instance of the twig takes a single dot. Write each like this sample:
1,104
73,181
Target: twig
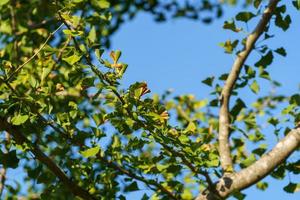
34,55
14,30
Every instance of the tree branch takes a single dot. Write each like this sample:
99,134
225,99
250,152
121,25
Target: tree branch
43,158
257,171
224,121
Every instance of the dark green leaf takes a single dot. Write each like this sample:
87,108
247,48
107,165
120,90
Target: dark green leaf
239,105
132,187
265,60
281,51
9,160
244,16
292,187
209,81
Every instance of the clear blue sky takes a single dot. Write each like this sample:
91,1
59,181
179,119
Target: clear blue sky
180,53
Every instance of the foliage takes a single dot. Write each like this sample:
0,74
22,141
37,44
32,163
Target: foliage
58,89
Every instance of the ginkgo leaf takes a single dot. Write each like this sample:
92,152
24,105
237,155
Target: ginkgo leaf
90,152
19,119
72,59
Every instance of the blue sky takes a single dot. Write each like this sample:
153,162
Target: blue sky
179,54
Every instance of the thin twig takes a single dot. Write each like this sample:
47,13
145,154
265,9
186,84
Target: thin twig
14,30
34,55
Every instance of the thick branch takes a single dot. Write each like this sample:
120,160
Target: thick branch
43,158
257,171
224,121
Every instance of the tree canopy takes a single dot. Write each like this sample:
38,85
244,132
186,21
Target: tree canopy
78,133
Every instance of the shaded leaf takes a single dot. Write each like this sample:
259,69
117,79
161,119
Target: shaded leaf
244,16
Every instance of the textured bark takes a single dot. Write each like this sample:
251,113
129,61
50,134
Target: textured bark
224,121
255,172
43,158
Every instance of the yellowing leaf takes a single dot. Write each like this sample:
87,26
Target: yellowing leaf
90,152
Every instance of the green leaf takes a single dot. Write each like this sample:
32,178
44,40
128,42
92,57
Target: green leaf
19,119
244,16
260,150
3,2
72,59
9,160
92,35
296,4
213,160
90,152
283,23
239,195
102,4
250,72
292,187
248,161
132,187
191,127
229,46
264,74
254,87
230,25
262,185
256,3
239,105
265,60
279,173
208,81
45,73
274,121
295,99
281,51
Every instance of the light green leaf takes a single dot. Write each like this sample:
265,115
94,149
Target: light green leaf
102,4
3,2
90,152
45,73
248,161
19,119
262,185
72,59
92,34
254,87
191,127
